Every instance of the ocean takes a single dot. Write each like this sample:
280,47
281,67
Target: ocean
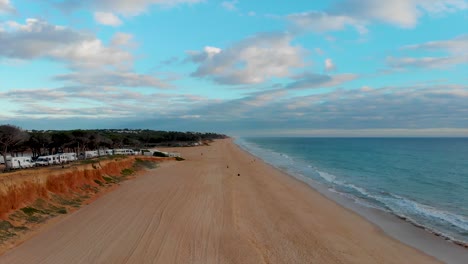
421,180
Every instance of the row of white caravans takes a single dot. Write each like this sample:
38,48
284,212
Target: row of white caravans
27,162
19,162
107,152
56,159
61,158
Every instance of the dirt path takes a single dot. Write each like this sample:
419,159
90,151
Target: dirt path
201,211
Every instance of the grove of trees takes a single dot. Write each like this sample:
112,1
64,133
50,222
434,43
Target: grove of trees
43,142
11,138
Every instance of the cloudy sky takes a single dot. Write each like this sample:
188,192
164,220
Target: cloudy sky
292,68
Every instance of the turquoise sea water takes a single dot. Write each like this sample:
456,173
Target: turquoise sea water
424,180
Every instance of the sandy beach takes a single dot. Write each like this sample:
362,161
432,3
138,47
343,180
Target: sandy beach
220,205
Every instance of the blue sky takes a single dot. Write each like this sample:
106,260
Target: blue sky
292,68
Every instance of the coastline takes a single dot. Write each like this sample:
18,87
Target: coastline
403,230
220,205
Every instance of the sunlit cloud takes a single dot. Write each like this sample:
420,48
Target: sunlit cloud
39,39
251,61
108,19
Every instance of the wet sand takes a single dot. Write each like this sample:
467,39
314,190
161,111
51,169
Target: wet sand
220,205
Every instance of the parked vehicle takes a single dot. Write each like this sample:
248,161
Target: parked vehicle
71,156
42,161
61,158
91,154
105,152
20,162
2,161
147,152
124,152
47,160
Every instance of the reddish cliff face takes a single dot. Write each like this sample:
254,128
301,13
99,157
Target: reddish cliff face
21,188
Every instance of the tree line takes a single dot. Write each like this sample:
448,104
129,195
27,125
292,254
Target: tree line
13,139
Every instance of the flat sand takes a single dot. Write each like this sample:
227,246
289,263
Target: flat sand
220,205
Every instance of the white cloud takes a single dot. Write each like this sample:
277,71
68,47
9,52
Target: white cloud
455,50
260,99
123,7
443,6
323,22
403,13
392,109
360,13
108,19
426,62
458,45
93,54
310,80
230,5
329,65
122,39
113,78
190,116
39,39
212,51
92,62
366,89
97,102
251,61
6,7
406,108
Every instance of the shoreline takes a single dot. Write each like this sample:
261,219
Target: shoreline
407,232
220,205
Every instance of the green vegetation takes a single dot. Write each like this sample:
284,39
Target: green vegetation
146,164
5,225
31,211
35,219
127,172
41,142
73,202
39,212
137,165
108,179
7,230
97,160
98,182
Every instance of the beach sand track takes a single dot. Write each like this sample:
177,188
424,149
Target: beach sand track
201,211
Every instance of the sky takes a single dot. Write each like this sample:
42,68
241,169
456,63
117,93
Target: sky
260,68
